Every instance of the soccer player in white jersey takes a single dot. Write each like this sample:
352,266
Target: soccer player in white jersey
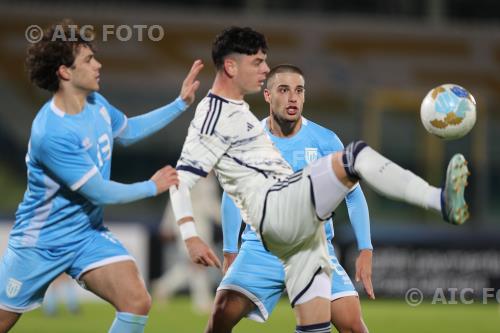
287,209
59,223
255,280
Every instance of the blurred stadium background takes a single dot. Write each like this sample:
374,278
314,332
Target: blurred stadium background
368,64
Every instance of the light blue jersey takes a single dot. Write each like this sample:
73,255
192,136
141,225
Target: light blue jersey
69,167
64,152
59,224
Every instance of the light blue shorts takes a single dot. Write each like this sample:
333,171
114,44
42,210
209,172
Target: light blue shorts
26,273
259,275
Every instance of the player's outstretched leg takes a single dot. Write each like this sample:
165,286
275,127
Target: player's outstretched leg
359,161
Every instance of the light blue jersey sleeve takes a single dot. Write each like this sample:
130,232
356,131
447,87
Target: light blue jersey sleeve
231,224
106,192
360,218
140,127
69,163
357,208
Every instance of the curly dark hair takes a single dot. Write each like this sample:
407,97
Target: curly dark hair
59,46
237,40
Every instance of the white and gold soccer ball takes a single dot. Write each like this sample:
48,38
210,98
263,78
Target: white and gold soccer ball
448,111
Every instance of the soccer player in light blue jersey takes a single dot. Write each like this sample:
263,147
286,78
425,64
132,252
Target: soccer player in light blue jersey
255,278
59,223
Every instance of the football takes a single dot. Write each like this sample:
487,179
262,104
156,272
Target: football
448,111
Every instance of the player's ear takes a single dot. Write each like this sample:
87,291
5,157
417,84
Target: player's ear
230,67
63,73
267,95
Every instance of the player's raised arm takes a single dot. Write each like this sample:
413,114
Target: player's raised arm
140,127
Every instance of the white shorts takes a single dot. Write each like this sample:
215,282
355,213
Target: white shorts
291,230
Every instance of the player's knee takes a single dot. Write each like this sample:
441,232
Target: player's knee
328,187
349,155
146,302
359,326
355,325
139,303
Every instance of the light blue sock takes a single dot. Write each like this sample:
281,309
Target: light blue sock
128,323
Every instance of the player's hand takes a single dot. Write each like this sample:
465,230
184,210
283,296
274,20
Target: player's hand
229,258
200,253
190,84
364,271
164,178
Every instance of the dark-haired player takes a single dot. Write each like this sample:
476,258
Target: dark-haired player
59,223
254,278
287,209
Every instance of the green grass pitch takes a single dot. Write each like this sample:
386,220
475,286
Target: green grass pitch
385,316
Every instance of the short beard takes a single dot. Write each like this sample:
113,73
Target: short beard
286,126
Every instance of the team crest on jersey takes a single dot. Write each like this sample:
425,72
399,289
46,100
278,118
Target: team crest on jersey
13,287
311,154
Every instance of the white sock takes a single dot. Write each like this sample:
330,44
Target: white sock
434,199
392,181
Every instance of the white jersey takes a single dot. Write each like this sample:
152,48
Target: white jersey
225,136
